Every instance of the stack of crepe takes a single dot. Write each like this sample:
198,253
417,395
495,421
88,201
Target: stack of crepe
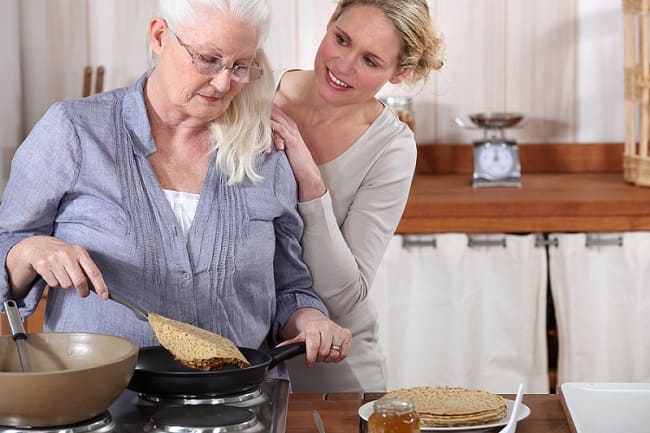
195,347
443,406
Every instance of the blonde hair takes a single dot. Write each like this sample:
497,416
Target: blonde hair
422,46
243,132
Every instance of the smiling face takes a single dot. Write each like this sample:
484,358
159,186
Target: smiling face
357,56
179,86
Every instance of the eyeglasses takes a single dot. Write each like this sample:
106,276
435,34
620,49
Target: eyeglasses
208,64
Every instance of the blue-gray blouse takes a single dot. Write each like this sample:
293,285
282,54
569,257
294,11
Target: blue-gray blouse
82,175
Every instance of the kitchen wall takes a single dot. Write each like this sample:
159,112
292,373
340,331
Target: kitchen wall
558,61
11,128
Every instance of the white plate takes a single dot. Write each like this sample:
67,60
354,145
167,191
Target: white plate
366,410
608,407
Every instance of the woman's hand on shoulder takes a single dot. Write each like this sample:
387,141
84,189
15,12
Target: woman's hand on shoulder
325,340
287,137
59,263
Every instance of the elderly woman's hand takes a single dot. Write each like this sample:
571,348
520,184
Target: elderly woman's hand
59,263
286,136
325,340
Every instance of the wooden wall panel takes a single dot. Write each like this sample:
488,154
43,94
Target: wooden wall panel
599,70
11,87
557,61
541,67
54,51
544,59
312,22
125,55
282,44
473,78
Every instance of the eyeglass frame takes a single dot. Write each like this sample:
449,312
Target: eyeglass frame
252,68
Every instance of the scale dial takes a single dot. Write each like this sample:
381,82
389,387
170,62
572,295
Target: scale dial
496,161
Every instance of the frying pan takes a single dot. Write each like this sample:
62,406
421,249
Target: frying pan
75,376
157,373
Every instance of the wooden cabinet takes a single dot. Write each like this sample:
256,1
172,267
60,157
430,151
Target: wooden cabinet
565,188
568,192
463,311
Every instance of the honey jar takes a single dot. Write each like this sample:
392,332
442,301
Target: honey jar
403,107
394,415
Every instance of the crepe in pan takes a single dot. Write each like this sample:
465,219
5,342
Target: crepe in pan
195,347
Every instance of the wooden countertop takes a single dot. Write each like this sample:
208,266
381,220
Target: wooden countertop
578,190
339,413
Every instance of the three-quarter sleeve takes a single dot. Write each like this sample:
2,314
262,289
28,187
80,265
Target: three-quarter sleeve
43,169
343,255
292,278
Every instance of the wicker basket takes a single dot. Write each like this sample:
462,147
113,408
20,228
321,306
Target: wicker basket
636,158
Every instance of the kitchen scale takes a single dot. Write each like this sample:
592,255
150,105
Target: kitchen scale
496,158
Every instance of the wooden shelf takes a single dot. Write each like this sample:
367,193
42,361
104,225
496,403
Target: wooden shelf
586,193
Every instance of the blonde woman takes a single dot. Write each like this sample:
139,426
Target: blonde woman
353,161
165,192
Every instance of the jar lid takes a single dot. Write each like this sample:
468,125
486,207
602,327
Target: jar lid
398,101
397,405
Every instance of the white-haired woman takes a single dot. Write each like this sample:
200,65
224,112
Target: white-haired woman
166,193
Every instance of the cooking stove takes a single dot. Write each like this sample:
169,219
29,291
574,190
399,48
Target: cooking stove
259,410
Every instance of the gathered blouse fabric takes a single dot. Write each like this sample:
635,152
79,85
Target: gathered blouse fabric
347,231
82,175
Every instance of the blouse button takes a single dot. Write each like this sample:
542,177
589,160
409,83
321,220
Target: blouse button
186,276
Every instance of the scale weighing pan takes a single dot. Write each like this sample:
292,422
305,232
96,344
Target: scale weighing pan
495,120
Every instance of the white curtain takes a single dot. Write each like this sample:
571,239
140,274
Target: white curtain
11,108
54,51
601,295
61,37
464,316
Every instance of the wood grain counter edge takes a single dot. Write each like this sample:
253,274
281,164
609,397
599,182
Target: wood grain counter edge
340,413
586,193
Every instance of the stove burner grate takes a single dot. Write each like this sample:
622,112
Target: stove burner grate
203,419
102,423
206,399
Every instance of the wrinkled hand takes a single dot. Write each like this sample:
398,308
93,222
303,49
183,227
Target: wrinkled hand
325,340
60,264
287,137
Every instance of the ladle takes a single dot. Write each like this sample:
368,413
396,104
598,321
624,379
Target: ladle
18,334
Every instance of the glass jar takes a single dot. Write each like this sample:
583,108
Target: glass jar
403,107
394,415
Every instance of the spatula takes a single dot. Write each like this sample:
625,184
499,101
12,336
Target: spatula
139,312
215,350
511,426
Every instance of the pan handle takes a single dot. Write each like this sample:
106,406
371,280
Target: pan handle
282,353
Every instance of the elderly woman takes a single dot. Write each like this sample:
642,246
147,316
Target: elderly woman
166,192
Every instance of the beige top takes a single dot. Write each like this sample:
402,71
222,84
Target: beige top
347,231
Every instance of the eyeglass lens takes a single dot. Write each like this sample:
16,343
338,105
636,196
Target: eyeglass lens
211,65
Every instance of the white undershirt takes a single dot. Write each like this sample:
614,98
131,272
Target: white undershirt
184,206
